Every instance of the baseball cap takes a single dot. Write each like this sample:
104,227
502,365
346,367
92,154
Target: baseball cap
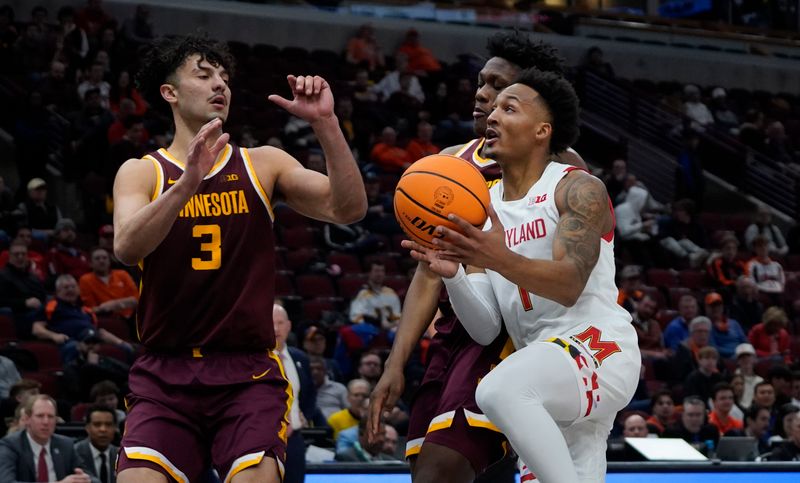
36,183
89,335
713,298
718,93
64,224
745,349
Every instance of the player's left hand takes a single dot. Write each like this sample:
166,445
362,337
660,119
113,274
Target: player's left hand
313,100
473,246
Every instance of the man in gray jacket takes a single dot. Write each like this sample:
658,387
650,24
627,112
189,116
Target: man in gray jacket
96,451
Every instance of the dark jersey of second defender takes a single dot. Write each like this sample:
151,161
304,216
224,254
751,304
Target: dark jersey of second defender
210,283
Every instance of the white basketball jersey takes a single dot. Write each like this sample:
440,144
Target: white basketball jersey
530,229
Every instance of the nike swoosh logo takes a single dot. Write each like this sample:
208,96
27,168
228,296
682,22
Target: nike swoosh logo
261,375
171,181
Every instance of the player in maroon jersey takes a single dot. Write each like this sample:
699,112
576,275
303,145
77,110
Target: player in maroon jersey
449,439
197,217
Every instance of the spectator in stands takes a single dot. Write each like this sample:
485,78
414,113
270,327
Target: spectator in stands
724,117
9,214
764,396
751,131
357,393
690,181
65,257
108,291
721,413
789,451
99,456
678,329
40,214
681,235
724,267
390,157
694,108
746,362
89,368
72,43
30,50
17,396
692,426
763,226
777,144
663,412
634,227
315,342
118,129
364,450
726,333
352,238
770,338
363,49
59,93
370,368
421,146
787,413
390,83
780,376
421,60
331,395
651,343
296,365
96,80
380,213
17,422
684,361
376,303
595,63
124,89
756,425
9,375
766,272
20,290
702,380
635,426
89,134
55,456
92,17
390,440
139,30
615,180
745,306
66,319
630,287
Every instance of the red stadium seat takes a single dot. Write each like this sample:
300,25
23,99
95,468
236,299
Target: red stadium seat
692,279
48,380
350,285
349,263
283,284
313,309
665,316
8,331
46,353
658,277
114,352
288,218
315,286
116,326
78,412
299,237
300,259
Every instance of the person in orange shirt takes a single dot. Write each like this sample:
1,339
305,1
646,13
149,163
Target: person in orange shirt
420,59
388,155
721,414
422,146
108,291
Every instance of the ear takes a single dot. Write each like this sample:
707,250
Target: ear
168,93
544,130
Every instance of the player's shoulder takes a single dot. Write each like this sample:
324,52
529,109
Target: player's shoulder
452,150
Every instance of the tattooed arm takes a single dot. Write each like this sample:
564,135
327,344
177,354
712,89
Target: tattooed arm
582,203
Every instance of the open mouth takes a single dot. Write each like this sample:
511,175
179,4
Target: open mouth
491,136
218,101
478,112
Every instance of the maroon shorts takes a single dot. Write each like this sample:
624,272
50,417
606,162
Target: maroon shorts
444,410
186,414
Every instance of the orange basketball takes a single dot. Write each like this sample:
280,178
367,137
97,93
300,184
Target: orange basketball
434,187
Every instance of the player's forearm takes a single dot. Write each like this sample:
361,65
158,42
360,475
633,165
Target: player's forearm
140,234
475,305
559,281
415,317
348,195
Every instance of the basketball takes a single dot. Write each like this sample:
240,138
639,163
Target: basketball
434,187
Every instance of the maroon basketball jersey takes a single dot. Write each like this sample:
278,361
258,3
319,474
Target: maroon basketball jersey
210,283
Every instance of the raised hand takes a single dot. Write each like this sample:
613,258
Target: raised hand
312,98
200,158
472,246
438,265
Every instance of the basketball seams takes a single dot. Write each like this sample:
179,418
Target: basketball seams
438,175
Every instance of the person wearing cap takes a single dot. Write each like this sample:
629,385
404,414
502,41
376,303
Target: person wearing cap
65,257
40,214
724,117
724,267
694,108
770,337
677,330
745,306
107,291
746,362
630,283
66,319
726,333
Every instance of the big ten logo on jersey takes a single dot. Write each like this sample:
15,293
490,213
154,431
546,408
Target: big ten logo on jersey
601,349
536,199
527,231
231,177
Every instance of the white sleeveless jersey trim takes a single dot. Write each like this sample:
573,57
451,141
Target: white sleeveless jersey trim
530,228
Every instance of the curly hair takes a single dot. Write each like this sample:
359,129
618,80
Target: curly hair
165,55
562,104
520,50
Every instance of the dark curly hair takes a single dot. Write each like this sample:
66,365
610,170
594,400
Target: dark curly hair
562,103
165,55
518,48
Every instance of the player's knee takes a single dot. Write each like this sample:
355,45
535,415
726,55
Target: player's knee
490,394
140,475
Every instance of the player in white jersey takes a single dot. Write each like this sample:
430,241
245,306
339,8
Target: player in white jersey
544,264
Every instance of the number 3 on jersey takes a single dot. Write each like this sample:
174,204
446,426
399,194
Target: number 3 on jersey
213,247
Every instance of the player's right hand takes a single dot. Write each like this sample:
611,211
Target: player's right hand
383,398
439,266
78,477
200,158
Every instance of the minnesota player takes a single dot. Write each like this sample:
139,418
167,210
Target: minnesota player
544,267
449,439
198,217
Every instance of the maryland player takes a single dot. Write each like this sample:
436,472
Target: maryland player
449,438
543,267
197,216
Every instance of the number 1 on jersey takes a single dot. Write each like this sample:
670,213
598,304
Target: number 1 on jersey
526,299
214,247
